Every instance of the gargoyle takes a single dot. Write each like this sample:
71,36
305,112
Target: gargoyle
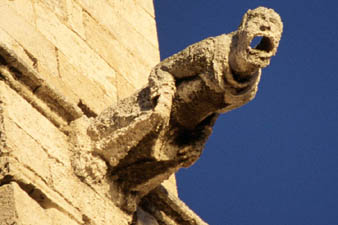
162,127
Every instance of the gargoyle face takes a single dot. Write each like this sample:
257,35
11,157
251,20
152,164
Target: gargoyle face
265,24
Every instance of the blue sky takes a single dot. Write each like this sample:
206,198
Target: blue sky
275,160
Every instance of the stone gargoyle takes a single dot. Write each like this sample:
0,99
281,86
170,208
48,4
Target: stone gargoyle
162,127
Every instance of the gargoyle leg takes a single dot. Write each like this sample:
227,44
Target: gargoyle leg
120,128
162,91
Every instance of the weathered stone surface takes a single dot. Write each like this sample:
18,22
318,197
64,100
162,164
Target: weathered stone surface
144,218
37,47
9,42
24,8
41,96
59,218
68,12
169,209
170,185
124,33
90,92
75,85
132,12
44,162
121,59
20,55
13,171
77,202
77,52
148,6
147,137
7,205
123,87
62,62
31,122
27,154
17,207
128,65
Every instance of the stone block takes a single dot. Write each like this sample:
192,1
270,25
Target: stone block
116,55
59,8
169,209
39,128
68,13
9,43
96,206
30,154
148,6
43,161
124,88
171,185
24,8
94,53
59,85
38,48
137,17
144,218
11,170
91,93
64,192
75,18
123,31
59,218
77,52
17,207
7,205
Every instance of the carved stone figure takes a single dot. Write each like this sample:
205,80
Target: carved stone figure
150,135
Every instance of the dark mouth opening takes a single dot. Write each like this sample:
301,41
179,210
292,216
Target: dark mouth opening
261,43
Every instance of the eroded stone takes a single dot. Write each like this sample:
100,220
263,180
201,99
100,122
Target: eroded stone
150,135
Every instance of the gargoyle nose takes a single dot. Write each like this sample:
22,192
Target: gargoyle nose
264,27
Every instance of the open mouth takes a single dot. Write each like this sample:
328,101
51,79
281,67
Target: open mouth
261,43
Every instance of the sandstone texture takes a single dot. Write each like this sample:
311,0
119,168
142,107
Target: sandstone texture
163,127
93,126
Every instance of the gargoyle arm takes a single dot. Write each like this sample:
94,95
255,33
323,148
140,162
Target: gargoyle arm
191,61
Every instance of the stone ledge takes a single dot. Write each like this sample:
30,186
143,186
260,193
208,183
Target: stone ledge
12,171
17,207
28,83
18,172
81,203
36,153
169,209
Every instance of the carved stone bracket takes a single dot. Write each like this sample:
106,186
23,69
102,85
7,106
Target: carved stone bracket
150,135
127,151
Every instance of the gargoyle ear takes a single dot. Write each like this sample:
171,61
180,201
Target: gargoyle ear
244,20
274,17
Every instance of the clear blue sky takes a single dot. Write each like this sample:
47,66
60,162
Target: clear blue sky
275,160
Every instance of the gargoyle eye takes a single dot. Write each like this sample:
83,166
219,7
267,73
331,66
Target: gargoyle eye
261,43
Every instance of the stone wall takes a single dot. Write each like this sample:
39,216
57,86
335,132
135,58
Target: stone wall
109,45
61,63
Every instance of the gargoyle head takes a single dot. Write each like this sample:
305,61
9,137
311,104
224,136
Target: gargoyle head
261,23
